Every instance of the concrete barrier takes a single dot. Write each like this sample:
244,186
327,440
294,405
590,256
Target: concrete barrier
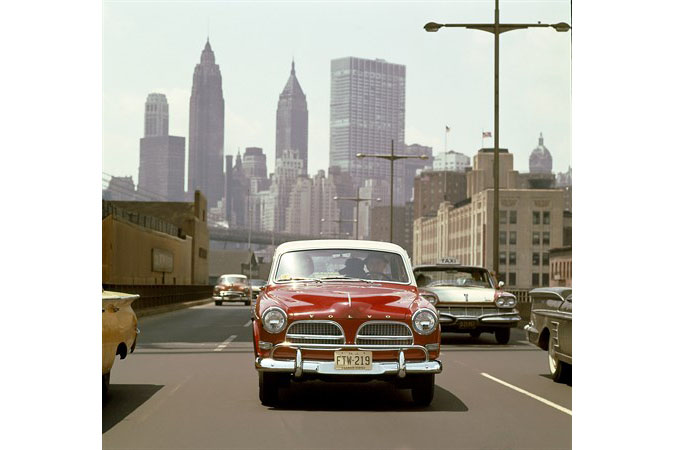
162,296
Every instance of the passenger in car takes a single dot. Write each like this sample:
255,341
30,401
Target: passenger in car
353,268
376,265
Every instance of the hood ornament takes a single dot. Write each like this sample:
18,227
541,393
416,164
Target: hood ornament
466,297
349,297
311,316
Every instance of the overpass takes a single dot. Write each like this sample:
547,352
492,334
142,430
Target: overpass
257,237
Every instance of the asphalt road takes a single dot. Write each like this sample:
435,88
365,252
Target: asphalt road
191,384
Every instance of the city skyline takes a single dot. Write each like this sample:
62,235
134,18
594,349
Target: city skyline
534,57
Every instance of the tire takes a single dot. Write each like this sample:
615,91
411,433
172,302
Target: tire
247,303
561,372
503,335
106,384
475,334
423,389
268,388
219,303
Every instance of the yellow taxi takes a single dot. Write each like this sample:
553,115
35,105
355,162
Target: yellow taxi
120,330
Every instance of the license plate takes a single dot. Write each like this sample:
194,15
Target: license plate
467,324
359,360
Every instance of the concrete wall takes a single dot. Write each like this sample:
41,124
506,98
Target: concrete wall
127,255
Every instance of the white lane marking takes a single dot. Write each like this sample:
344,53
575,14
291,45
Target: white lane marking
523,391
150,411
225,343
248,323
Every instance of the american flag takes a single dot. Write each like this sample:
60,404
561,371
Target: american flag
487,134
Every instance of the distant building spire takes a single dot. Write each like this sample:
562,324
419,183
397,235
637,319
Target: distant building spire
293,66
541,138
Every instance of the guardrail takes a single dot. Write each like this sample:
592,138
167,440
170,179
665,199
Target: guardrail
152,296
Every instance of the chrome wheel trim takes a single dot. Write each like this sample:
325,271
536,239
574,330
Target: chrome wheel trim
552,361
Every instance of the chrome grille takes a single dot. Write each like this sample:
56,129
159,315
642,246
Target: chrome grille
472,311
315,332
384,333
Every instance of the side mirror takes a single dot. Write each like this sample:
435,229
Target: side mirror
500,284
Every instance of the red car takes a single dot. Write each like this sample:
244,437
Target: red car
343,310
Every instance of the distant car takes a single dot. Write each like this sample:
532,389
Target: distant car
232,288
120,330
550,328
344,310
468,299
256,285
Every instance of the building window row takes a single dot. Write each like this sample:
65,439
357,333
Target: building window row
541,217
544,279
512,216
543,238
536,258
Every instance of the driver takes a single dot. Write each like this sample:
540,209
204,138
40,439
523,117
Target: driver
376,264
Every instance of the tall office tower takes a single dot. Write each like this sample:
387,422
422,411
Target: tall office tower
207,121
161,169
367,111
156,115
292,120
254,163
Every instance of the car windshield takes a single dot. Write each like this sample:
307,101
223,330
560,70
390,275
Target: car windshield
341,264
453,276
231,280
257,282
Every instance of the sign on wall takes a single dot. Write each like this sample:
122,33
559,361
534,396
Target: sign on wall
162,260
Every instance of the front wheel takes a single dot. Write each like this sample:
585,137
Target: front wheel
474,334
268,388
560,371
247,303
503,335
219,302
423,389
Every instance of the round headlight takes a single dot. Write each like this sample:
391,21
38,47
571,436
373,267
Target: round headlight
424,321
431,298
506,302
274,320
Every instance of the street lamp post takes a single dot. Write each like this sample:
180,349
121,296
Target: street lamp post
358,200
392,157
496,28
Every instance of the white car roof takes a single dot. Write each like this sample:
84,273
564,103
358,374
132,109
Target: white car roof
340,243
238,275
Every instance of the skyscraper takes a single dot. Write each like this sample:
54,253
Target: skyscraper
161,169
156,115
292,120
367,111
207,122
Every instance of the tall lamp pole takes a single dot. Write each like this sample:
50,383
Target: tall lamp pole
496,28
358,200
392,157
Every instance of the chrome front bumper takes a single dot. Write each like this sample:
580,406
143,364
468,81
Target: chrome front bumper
299,365
231,295
488,319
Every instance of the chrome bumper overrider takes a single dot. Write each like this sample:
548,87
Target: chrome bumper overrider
299,365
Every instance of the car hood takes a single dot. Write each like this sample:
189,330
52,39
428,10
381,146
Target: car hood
345,300
456,294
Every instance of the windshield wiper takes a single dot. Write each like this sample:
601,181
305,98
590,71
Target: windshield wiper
317,280
342,277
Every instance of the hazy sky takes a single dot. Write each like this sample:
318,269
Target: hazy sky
153,46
